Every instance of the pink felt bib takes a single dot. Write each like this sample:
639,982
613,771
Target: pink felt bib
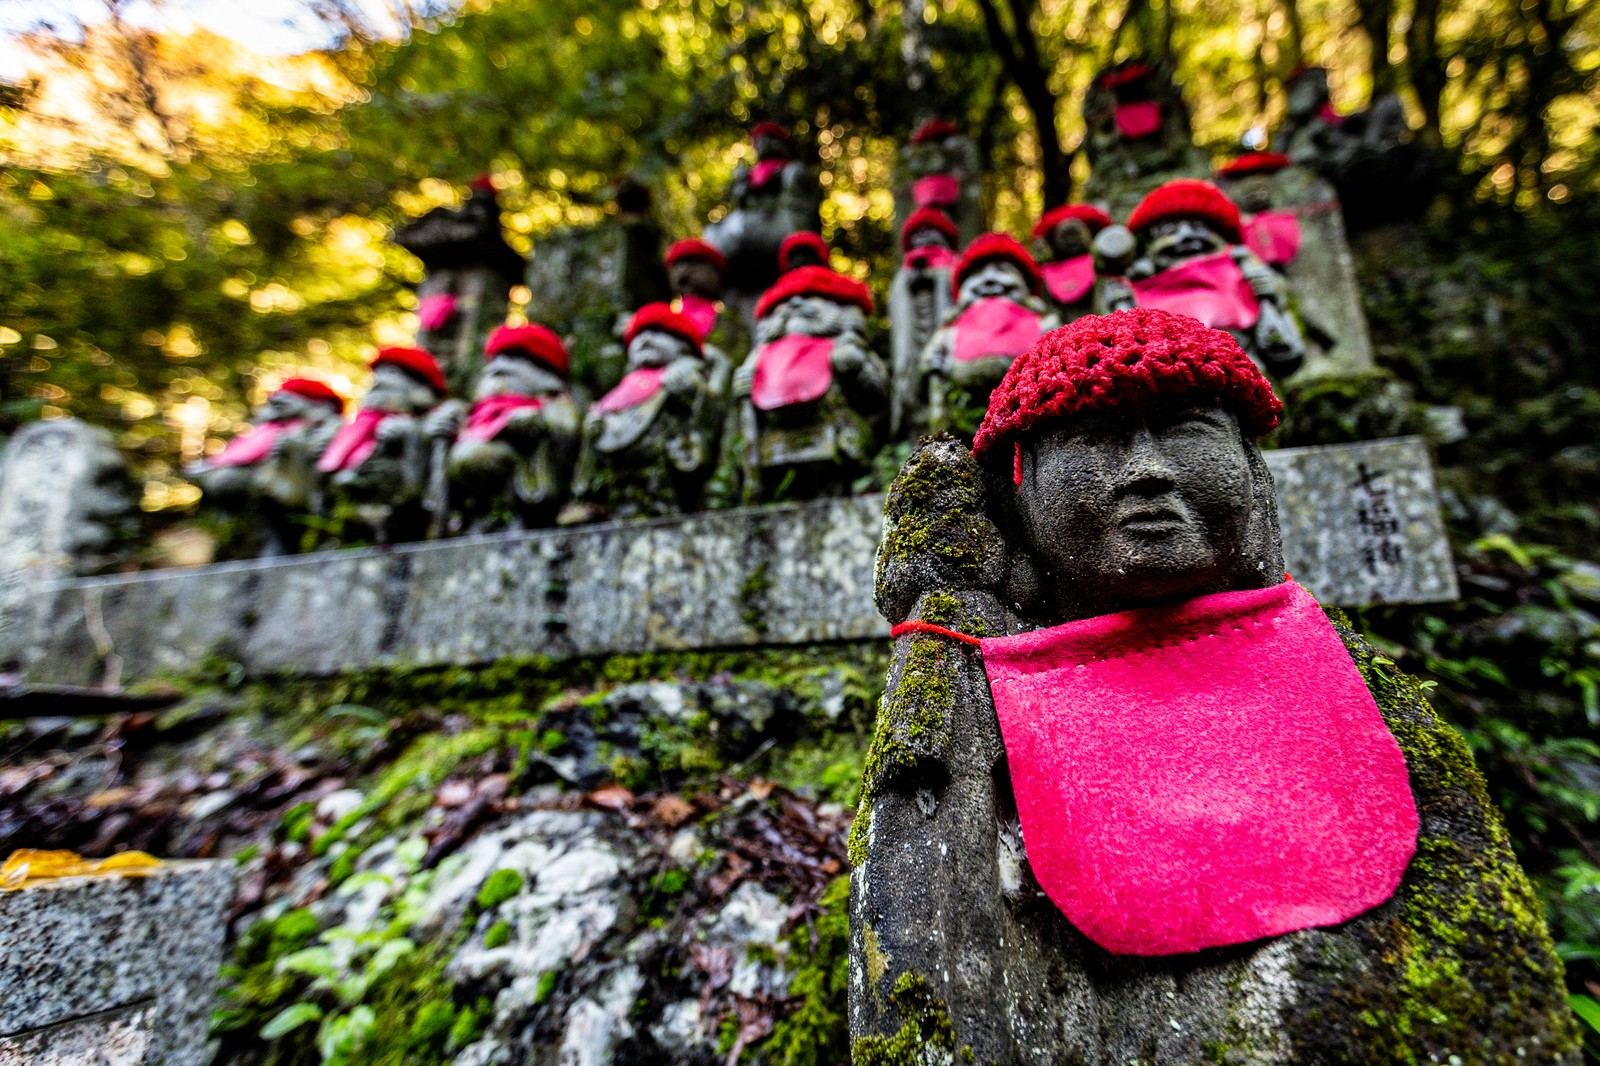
436,311
701,311
492,414
1204,774
1071,279
932,257
766,172
254,444
1138,120
1211,288
1274,236
994,326
790,370
937,190
354,443
635,388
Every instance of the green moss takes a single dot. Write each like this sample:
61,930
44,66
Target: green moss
499,887
546,987
497,935
816,1033
926,1035
935,511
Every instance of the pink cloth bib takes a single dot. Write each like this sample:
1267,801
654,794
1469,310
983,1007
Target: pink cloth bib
766,172
1274,236
1138,120
354,443
492,414
701,311
635,388
1327,114
1070,279
790,370
1211,288
254,444
937,190
932,257
1203,774
994,326
436,311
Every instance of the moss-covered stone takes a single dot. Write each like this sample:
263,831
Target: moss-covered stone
926,1036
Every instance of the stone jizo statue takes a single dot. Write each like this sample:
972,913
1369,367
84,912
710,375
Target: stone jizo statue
769,200
696,272
939,171
1194,263
376,467
1133,796
1271,227
998,315
651,443
812,392
919,300
508,457
1064,240
268,473
1136,130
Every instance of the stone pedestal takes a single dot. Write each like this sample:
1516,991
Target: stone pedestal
113,971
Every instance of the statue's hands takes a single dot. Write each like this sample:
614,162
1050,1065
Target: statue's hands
744,378
392,431
936,356
682,378
847,358
443,421
1263,280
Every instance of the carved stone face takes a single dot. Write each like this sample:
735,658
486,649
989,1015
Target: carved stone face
1070,239
512,375
818,316
772,148
805,257
1252,192
1308,92
284,406
932,157
657,347
928,237
1172,241
996,277
695,277
1134,508
395,390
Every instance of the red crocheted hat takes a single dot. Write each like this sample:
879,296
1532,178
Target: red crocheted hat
694,248
935,129
770,129
1127,358
927,218
1125,74
536,342
312,390
796,241
1187,198
1254,163
663,317
815,281
1088,214
997,246
416,362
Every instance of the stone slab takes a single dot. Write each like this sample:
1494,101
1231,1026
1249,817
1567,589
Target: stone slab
785,575
120,1037
130,958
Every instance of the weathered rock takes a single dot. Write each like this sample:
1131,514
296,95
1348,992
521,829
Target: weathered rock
114,964
794,574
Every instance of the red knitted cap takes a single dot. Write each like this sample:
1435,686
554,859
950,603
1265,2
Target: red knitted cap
1188,198
927,218
1088,214
815,281
1127,358
935,129
1125,74
536,342
312,390
663,317
770,129
694,248
997,246
416,362
1254,163
796,241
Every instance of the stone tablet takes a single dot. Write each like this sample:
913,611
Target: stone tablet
122,966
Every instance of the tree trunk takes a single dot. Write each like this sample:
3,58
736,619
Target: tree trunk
1018,49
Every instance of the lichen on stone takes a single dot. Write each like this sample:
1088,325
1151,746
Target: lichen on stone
926,1036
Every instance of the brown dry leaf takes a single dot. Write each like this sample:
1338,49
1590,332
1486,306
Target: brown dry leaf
762,789
672,811
611,798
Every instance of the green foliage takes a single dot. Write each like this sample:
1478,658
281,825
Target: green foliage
816,1033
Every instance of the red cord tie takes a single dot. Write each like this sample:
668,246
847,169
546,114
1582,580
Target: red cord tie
928,627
